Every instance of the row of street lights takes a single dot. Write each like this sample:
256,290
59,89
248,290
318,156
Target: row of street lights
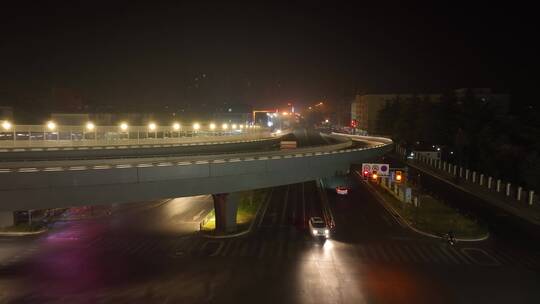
90,126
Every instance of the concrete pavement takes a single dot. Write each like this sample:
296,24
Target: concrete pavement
150,257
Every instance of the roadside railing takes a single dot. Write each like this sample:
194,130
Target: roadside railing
503,190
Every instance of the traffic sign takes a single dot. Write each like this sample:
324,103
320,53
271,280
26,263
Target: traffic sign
381,169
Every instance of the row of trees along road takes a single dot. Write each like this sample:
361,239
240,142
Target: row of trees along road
501,140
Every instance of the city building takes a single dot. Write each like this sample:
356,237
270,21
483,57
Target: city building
365,108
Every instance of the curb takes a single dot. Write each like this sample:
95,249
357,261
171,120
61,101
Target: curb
406,223
23,233
228,236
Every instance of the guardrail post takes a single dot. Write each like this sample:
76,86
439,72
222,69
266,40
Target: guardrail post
467,174
450,168
416,201
498,185
518,196
507,189
455,170
407,195
439,164
481,181
531,197
473,179
490,179
460,171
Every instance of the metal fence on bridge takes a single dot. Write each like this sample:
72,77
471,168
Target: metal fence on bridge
123,134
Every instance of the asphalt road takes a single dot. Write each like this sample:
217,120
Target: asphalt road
153,254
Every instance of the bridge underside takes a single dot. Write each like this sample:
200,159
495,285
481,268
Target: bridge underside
41,190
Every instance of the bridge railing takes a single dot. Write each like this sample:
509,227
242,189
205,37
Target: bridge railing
74,136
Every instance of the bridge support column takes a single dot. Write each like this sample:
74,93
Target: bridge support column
6,219
225,207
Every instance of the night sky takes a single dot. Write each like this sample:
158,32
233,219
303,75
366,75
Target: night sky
165,54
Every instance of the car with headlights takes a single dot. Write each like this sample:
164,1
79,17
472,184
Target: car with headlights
318,228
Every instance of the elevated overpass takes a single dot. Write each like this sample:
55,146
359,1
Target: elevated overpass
64,183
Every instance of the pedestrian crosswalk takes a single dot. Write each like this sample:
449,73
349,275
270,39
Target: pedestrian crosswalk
397,252
284,247
17,256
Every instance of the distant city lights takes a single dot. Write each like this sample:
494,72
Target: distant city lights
123,126
176,126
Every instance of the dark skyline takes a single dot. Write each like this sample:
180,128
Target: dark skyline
165,54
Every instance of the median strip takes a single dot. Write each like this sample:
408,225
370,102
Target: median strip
427,215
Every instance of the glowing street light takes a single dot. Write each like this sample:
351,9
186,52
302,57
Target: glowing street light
196,126
152,126
176,126
224,126
90,126
51,125
326,121
6,125
212,126
241,127
234,126
123,126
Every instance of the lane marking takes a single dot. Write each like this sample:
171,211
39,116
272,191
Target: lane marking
101,167
53,169
469,253
77,168
460,256
448,254
124,166
286,199
410,253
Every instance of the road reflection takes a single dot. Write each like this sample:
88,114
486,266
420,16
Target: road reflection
334,272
